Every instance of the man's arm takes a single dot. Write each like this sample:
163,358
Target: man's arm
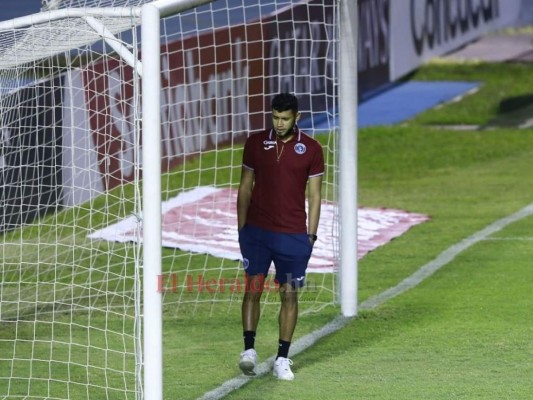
244,195
314,199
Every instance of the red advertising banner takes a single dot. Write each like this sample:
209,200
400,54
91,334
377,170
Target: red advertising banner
216,86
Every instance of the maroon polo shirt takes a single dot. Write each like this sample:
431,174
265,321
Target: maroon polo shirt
281,173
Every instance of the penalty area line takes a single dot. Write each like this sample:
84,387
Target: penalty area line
410,282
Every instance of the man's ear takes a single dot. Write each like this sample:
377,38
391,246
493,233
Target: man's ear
298,115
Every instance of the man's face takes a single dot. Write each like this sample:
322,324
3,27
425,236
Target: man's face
283,122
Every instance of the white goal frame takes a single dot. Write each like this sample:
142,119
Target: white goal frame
150,15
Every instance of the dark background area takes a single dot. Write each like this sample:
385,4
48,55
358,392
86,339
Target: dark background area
10,9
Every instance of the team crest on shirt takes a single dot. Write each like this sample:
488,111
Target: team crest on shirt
300,148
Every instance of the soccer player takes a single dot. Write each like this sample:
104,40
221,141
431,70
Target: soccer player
278,165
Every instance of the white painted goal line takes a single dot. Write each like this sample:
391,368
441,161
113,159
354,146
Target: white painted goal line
408,283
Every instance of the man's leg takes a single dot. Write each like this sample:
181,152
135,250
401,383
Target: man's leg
288,316
251,306
256,262
251,310
292,255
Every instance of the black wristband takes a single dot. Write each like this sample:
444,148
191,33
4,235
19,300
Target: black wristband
312,237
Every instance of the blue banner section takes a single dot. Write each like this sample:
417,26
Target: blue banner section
406,100
398,104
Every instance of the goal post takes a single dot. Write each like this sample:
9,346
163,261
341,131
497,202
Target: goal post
70,317
348,185
122,128
151,121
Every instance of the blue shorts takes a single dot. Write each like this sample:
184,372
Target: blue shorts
290,253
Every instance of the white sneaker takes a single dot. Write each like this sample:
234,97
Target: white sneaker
248,361
282,369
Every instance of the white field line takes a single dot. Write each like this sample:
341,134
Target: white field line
527,124
421,274
512,239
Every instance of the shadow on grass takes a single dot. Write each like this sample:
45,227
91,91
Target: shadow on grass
514,112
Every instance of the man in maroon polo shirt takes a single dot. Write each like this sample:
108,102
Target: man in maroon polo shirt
278,165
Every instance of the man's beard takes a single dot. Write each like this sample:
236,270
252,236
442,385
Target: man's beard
287,132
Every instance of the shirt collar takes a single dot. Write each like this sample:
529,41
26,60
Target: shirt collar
297,134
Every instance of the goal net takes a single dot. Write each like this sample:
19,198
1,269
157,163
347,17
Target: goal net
71,173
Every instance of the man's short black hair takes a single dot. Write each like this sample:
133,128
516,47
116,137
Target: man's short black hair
284,102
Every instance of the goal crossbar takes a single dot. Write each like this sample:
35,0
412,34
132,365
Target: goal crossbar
40,26
36,37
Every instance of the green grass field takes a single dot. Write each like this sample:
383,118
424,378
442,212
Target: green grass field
462,334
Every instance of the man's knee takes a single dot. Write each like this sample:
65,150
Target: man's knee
254,287
288,294
252,297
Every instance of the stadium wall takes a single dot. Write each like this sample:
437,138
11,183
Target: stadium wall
395,37
232,70
213,93
423,29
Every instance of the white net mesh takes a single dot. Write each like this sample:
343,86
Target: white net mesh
71,174
46,39
59,4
